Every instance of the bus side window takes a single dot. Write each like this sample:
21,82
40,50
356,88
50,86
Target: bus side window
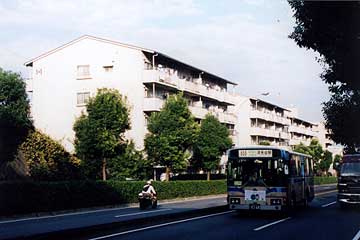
311,167
306,165
294,166
302,166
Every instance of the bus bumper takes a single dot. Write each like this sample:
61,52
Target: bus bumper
256,207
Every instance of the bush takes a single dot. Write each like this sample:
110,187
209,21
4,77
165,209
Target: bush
324,180
47,160
29,197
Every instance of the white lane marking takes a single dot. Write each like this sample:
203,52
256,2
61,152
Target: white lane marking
326,205
139,213
357,236
161,225
270,224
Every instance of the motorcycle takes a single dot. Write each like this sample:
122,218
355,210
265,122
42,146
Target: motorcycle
146,200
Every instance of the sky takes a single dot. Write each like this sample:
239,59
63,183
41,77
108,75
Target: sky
245,41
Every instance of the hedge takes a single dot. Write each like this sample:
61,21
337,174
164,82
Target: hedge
324,180
30,197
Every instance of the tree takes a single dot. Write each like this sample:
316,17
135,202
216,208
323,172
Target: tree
211,142
15,121
100,134
47,160
326,161
130,164
315,150
331,29
264,143
171,133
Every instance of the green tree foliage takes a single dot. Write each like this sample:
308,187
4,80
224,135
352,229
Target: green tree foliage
130,164
99,134
171,133
47,160
211,142
315,150
337,41
264,143
14,121
326,161
342,114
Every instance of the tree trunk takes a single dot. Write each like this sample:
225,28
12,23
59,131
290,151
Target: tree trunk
104,169
208,175
167,178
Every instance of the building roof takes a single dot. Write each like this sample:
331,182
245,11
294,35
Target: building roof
302,120
30,62
269,103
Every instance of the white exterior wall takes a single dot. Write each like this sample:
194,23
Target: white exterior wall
55,86
242,127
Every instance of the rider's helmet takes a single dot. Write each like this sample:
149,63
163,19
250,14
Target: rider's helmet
149,182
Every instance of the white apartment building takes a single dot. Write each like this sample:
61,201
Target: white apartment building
260,121
300,130
63,79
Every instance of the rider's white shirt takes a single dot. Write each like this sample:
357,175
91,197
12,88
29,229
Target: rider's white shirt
151,190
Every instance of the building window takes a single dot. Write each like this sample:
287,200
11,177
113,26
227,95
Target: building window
83,98
83,71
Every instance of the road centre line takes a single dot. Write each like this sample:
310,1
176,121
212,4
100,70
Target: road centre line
329,204
270,224
139,213
357,236
162,225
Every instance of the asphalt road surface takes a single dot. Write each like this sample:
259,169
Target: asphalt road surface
322,220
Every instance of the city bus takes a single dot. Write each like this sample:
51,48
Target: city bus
268,178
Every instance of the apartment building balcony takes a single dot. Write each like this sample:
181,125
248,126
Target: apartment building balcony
223,117
194,86
155,104
257,131
152,104
271,117
302,130
294,142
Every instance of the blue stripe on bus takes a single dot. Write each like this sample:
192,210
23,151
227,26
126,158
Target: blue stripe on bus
269,190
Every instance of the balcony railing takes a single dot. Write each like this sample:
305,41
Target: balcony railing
257,131
269,117
155,104
195,86
302,130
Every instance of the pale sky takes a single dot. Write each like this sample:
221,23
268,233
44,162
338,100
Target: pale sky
245,41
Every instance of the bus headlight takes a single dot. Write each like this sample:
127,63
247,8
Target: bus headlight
234,200
275,201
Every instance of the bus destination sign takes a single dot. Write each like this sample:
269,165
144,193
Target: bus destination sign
255,153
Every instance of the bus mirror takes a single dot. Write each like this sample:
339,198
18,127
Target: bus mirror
286,169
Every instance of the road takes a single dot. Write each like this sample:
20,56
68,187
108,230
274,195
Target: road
107,221
322,220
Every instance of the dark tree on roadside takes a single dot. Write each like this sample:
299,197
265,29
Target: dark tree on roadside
99,134
332,28
211,142
15,121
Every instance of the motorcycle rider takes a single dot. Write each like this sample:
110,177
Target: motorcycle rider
149,189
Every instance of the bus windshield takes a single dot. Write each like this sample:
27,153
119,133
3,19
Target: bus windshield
257,172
